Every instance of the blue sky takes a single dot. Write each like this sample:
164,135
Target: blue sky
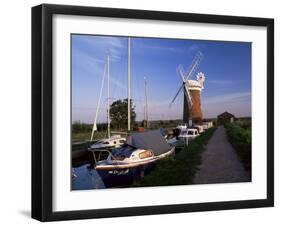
226,65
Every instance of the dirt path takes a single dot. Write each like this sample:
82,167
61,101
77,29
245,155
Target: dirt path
220,163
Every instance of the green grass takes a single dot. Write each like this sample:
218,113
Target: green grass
180,169
85,136
239,135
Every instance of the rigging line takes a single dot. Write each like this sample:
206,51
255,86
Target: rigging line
140,84
97,110
133,71
112,77
122,75
116,76
138,95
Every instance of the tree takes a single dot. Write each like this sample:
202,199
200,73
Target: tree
119,114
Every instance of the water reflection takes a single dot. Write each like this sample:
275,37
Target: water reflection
86,178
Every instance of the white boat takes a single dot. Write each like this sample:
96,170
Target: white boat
129,157
108,143
137,156
188,133
200,128
182,134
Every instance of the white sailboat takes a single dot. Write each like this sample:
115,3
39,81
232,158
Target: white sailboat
111,141
138,153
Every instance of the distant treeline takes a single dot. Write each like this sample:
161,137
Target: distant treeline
79,127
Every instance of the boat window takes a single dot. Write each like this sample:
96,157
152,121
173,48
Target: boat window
114,142
121,141
145,154
105,142
190,132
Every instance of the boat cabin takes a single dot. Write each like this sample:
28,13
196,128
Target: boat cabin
188,133
114,141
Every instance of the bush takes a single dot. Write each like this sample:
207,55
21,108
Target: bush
241,139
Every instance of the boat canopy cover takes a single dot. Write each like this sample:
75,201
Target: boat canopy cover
152,139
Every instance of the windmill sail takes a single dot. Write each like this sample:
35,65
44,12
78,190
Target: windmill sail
176,95
194,65
188,96
190,89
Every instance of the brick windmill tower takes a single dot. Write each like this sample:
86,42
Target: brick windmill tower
192,89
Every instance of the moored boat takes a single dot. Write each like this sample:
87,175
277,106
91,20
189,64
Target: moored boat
135,158
189,133
108,143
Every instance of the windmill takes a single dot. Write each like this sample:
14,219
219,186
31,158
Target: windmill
192,91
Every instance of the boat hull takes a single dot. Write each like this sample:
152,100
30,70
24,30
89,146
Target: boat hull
124,176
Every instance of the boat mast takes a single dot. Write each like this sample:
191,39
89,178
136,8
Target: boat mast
129,83
98,106
108,107
146,106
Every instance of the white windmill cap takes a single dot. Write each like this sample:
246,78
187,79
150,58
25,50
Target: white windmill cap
194,85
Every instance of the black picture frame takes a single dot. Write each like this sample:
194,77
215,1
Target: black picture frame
42,111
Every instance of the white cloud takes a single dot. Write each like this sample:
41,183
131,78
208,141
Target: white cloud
104,45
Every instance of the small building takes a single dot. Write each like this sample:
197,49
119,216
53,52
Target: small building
225,117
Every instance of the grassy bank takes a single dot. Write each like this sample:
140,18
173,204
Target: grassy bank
85,136
180,169
239,135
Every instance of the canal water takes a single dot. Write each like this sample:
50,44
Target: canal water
86,178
